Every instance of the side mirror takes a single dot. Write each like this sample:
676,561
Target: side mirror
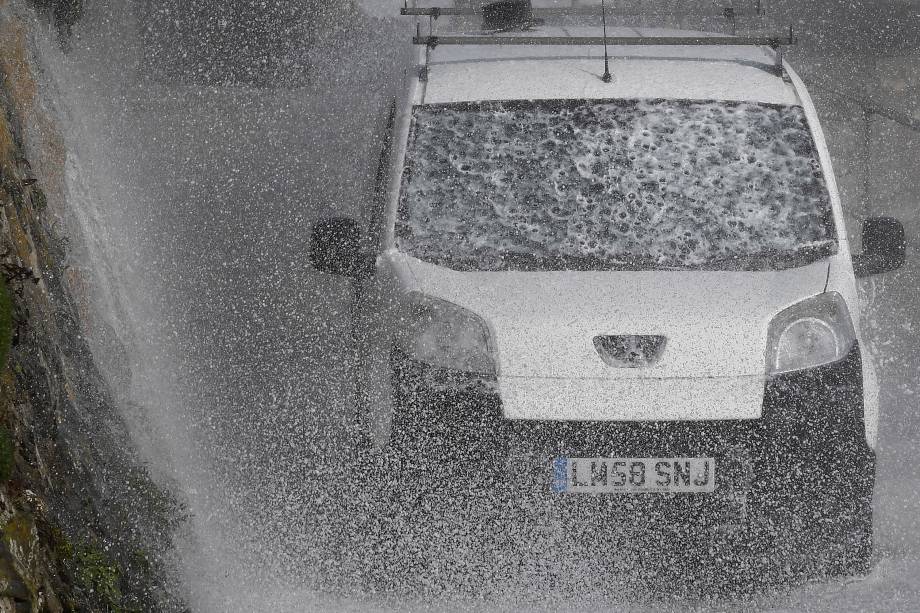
884,247
335,248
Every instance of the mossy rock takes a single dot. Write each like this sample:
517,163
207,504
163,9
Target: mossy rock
7,455
99,576
39,200
6,322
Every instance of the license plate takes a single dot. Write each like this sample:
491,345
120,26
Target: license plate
633,475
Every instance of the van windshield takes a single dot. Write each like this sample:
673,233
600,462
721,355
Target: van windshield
613,184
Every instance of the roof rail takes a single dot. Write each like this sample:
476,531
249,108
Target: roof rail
727,12
537,14
775,41
520,13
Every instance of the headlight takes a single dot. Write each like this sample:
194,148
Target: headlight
811,333
443,334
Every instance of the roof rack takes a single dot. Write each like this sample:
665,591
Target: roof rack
435,12
536,14
775,42
765,41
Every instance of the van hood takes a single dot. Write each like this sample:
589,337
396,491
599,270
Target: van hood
712,365
544,323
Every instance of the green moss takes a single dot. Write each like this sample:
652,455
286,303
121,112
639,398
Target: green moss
39,200
20,537
7,449
6,322
97,575
61,545
19,530
140,559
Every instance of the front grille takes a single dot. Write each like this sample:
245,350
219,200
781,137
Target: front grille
630,350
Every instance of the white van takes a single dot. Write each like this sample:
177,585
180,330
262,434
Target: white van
640,284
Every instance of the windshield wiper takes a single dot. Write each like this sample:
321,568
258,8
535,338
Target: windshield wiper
768,259
772,259
537,262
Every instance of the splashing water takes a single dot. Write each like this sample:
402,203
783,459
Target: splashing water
195,187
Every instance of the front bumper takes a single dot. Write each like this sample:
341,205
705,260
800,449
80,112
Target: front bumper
810,436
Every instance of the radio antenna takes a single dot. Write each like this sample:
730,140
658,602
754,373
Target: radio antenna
606,78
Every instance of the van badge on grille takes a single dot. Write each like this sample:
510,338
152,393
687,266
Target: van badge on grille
630,351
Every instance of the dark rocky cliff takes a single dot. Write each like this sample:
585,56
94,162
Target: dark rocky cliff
82,526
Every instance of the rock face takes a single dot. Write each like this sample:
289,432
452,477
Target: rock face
63,13
82,526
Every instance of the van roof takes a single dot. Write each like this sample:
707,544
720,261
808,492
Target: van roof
461,73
